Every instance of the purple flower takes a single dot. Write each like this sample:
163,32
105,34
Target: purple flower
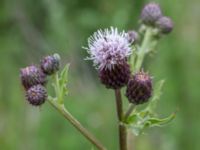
108,47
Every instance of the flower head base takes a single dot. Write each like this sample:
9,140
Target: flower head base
116,77
108,48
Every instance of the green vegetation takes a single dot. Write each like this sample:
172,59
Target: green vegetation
31,29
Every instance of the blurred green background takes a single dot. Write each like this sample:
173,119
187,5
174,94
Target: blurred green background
30,29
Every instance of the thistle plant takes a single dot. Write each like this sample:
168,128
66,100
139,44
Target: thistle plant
118,57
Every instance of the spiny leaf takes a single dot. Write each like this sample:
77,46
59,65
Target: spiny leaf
160,122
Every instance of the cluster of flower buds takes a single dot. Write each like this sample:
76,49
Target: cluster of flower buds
109,50
34,78
152,16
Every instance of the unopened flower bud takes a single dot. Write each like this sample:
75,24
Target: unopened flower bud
32,75
165,25
151,13
115,77
50,64
139,88
132,36
36,95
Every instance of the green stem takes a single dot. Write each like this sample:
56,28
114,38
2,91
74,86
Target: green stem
143,49
61,109
129,111
122,128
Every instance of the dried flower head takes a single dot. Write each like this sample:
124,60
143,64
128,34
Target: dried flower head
165,24
151,13
139,88
50,64
108,48
32,75
36,95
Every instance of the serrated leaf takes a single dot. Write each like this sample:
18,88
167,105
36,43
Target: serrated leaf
160,122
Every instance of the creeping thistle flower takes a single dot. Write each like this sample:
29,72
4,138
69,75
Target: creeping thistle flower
36,95
50,64
109,50
31,76
139,88
151,13
165,25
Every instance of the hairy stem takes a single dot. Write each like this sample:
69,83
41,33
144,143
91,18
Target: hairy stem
122,128
62,110
143,49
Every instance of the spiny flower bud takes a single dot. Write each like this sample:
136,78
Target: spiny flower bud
165,25
151,13
116,77
32,75
133,36
36,95
139,88
50,64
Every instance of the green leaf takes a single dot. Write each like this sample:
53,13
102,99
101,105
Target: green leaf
64,79
136,130
160,122
131,119
158,90
64,74
156,95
